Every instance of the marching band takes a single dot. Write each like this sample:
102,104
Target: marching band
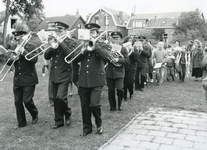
90,63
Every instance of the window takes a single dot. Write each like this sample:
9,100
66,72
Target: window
138,24
97,19
13,21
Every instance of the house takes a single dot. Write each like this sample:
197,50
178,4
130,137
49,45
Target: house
142,22
74,22
110,20
11,22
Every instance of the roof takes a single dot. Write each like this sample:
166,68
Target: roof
2,16
161,23
115,16
68,19
157,15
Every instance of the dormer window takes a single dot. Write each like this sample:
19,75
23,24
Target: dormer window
163,22
139,24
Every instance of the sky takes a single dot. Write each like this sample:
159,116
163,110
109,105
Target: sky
63,7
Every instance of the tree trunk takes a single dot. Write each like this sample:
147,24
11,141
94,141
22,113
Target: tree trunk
6,22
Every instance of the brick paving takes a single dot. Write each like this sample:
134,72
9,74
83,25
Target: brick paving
162,129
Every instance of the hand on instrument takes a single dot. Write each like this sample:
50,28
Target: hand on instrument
21,50
115,60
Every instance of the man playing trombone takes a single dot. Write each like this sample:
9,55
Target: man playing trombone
92,79
60,74
25,78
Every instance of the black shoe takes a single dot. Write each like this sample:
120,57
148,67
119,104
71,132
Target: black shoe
86,133
120,108
113,109
131,96
57,126
141,89
20,126
99,130
34,120
68,121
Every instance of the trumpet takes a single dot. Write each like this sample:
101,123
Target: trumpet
52,43
14,55
78,50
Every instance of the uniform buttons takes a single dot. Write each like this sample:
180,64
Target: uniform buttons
88,54
56,55
87,71
56,61
87,66
113,68
19,73
88,60
19,67
55,66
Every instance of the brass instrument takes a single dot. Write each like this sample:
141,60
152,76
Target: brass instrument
78,50
52,43
14,54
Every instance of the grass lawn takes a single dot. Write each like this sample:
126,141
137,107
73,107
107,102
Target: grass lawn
189,95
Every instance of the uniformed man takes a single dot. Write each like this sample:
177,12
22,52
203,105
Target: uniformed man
144,53
91,81
25,79
60,75
115,74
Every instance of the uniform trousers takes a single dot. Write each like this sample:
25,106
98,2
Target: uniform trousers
24,94
61,109
141,71
129,83
112,84
90,103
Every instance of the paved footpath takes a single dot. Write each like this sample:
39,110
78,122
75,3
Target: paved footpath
162,129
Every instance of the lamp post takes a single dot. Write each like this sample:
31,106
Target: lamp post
106,23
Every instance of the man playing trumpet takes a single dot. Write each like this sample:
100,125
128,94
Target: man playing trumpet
25,79
91,80
60,74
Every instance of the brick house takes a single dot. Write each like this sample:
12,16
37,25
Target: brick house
142,22
110,20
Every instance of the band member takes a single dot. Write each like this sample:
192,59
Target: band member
115,74
130,69
25,79
91,80
60,75
143,54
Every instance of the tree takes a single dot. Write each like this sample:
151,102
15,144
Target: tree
192,25
158,33
26,7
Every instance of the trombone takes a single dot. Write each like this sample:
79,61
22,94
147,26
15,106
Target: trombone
14,55
78,51
54,44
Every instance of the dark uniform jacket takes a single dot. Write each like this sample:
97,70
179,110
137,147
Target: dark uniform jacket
131,67
60,71
144,56
25,71
92,73
115,72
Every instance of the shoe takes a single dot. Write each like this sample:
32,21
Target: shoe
86,133
112,109
34,120
51,103
68,121
43,74
20,126
120,108
99,130
131,96
57,126
151,80
141,89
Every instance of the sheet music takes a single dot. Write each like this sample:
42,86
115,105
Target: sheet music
158,65
83,34
116,47
43,36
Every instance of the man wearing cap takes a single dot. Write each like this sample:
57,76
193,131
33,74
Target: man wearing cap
144,53
115,74
25,79
91,80
60,76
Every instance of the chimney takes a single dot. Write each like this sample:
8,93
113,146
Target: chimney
132,14
77,13
121,16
